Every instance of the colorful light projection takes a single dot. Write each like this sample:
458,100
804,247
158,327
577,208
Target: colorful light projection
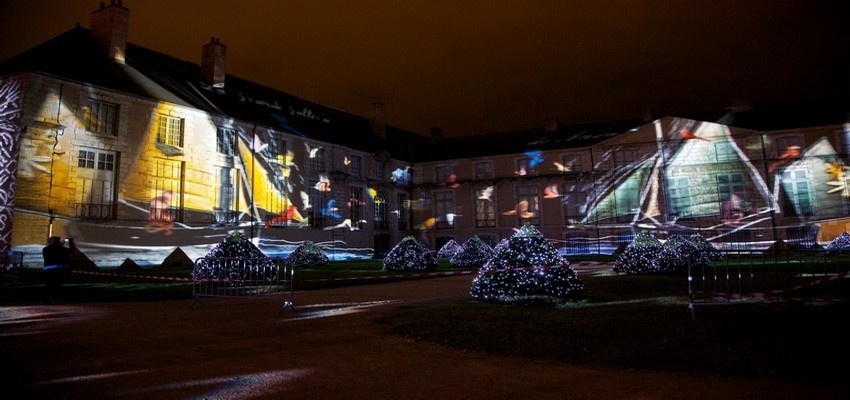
697,177
177,189
10,103
401,176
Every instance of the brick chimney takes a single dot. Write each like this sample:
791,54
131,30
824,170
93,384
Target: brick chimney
212,62
377,119
436,134
109,28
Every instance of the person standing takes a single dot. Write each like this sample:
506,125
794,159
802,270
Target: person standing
56,265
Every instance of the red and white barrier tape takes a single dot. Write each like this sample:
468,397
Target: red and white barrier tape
396,276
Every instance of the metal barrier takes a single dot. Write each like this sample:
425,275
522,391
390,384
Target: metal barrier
241,277
782,275
11,261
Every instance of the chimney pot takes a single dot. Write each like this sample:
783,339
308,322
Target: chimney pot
377,120
436,134
109,27
213,57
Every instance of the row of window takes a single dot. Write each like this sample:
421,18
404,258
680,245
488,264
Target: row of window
573,198
483,170
102,118
226,144
529,166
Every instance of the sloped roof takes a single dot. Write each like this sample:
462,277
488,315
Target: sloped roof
791,115
768,117
74,55
568,136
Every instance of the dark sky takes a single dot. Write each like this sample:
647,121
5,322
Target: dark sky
485,66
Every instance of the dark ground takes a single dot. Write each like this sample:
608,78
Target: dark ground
332,345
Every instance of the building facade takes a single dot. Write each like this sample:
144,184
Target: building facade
591,190
135,154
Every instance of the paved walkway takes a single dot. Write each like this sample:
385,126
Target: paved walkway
331,346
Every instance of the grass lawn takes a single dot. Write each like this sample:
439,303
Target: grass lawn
628,321
643,322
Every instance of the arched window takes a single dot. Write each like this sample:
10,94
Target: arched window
380,218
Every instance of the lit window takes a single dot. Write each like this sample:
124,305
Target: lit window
93,159
380,218
101,117
355,198
169,131
225,141
485,208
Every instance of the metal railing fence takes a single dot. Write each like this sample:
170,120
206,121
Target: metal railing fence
241,277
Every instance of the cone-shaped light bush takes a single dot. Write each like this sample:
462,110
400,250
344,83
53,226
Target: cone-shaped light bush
307,254
840,244
676,253
527,270
449,249
237,259
706,252
641,256
410,255
473,254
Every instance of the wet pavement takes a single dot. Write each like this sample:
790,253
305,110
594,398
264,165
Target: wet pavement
331,345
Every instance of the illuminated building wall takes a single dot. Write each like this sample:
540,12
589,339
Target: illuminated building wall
737,187
135,154
165,175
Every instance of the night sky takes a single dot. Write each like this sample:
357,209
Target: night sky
473,67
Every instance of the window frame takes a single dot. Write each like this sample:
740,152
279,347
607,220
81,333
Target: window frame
101,117
485,210
225,141
483,170
166,127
